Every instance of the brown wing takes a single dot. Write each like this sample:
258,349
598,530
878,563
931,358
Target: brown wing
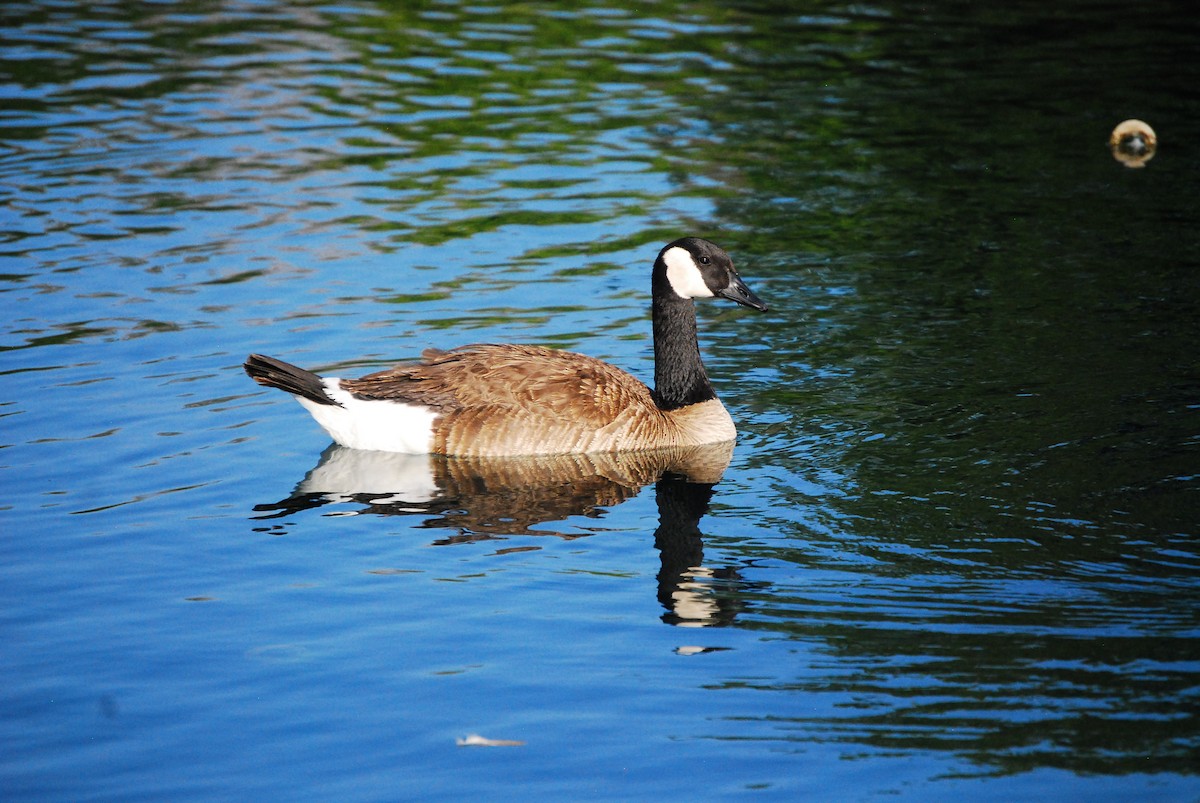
508,398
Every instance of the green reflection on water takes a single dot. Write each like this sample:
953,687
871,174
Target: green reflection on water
983,376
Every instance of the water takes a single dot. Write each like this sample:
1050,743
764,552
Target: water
954,552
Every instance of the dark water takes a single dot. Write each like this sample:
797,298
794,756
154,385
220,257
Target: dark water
955,550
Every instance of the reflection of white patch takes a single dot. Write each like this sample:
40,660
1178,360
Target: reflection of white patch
344,473
378,425
693,602
683,274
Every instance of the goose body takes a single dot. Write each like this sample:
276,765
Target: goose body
490,400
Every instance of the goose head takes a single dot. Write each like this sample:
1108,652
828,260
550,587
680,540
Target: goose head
691,267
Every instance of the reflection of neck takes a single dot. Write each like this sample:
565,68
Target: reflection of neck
678,537
679,376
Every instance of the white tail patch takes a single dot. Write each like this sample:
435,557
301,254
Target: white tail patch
382,426
683,274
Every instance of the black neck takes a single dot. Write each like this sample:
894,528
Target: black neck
679,377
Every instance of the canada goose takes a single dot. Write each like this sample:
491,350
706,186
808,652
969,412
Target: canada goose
498,400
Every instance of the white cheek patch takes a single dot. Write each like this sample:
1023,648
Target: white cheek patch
683,274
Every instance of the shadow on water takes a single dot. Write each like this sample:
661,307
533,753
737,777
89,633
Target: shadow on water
482,499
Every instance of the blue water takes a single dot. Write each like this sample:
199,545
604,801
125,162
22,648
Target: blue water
954,553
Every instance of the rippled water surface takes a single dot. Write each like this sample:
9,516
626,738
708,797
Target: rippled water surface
954,553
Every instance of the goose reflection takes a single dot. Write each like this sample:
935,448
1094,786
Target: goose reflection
478,499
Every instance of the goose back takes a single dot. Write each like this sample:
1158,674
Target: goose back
501,399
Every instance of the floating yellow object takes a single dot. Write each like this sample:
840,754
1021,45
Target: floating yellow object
1133,143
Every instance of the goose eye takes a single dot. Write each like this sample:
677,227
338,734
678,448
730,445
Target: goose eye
704,260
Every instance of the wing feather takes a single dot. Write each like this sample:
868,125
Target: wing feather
487,382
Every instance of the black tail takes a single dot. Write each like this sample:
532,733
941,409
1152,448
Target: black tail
278,374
